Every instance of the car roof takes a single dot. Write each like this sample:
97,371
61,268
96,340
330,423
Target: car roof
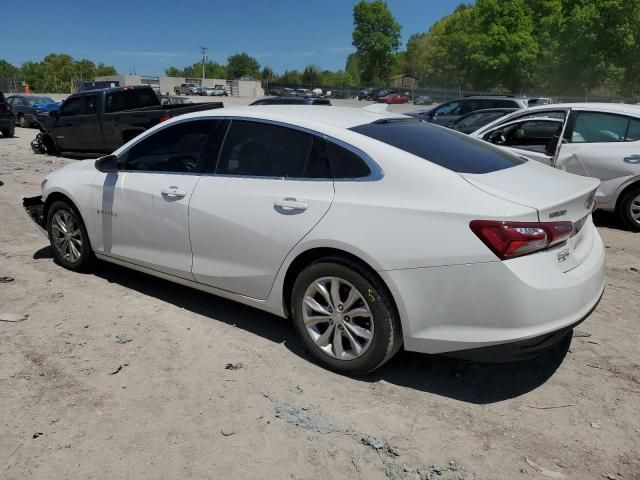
608,107
302,115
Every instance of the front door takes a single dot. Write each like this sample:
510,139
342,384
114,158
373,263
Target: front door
143,208
271,186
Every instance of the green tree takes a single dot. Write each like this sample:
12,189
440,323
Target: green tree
242,64
103,70
290,77
352,68
311,76
7,70
174,72
376,36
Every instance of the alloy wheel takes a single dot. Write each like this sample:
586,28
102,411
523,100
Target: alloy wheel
337,318
634,209
67,236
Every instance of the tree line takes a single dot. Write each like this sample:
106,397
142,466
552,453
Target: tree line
561,47
55,73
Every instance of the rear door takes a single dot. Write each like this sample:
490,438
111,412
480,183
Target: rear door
603,145
270,187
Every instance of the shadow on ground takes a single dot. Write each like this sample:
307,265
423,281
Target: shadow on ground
472,382
609,220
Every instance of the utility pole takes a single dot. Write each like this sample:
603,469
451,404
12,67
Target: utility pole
203,50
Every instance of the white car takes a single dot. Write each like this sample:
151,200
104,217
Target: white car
368,229
600,140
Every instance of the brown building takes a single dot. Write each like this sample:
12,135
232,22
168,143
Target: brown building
402,81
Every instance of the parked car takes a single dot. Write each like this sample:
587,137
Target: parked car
590,139
7,120
393,98
26,107
291,101
288,92
303,92
423,100
168,100
275,92
383,92
368,93
447,112
473,121
265,206
189,89
217,91
99,121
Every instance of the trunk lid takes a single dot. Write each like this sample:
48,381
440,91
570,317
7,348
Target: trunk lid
557,196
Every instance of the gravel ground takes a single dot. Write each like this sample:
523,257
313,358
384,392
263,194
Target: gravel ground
209,389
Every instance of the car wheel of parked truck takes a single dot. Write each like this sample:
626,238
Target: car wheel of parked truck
630,209
345,316
68,236
9,132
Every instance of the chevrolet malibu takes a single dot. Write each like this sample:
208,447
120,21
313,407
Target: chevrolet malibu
369,230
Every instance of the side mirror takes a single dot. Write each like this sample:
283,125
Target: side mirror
54,114
107,164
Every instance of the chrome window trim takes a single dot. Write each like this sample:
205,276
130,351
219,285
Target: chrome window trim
376,172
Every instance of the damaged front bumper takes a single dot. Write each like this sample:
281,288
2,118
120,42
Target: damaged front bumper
34,206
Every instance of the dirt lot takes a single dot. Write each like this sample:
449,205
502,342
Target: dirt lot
75,403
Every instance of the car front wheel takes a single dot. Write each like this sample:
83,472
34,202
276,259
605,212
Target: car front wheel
68,237
345,316
630,209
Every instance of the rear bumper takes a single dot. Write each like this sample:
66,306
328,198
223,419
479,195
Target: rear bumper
516,306
34,206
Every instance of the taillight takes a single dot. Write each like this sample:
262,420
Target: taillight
514,239
164,118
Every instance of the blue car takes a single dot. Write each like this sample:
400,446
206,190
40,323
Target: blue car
26,107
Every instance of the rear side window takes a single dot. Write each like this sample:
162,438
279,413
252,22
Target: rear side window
596,127
441,146
176,148
503,104
130,99
258,149
345,164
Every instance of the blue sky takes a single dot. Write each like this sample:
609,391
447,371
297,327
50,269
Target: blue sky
149,36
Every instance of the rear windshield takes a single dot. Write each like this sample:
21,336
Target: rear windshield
130,99
441,146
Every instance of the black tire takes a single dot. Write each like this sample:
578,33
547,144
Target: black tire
9,132
85,258
628,206
387,335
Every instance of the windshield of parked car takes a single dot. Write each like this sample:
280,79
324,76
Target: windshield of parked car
40,100
478,119
439,145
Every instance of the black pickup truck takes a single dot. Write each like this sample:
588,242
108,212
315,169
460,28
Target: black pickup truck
99,121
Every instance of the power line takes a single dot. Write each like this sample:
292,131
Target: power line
203,50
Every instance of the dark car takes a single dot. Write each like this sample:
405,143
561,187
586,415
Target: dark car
473,121
448,112
100,121
275,92
369,93
288,92
291,101
26,107
383,92
423,100
7,120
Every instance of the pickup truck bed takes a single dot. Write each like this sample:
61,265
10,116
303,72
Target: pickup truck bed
97,122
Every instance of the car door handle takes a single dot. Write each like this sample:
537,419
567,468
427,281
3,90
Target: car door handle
173,192
290,204
634,159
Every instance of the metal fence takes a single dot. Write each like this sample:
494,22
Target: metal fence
11,85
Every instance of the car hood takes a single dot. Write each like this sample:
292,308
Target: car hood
557,195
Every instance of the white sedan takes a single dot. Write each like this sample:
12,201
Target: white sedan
368,229
600,140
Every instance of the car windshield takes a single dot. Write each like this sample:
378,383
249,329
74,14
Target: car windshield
40,100
439,145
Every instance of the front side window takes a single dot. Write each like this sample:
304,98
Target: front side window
535,135
176,148
71,107
597,127
90,104
441,146
258,149
40,100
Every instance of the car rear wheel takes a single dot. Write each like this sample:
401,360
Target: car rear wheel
9,132
630,209
68,237
345,316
